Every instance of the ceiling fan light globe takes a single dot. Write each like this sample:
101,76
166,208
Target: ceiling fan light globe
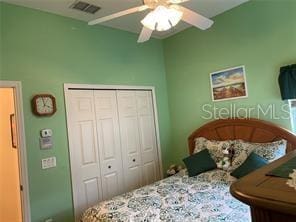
175,15
162,18
149,21
163,26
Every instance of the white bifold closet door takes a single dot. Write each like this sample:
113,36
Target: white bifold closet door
138,140
108,143
113,146
148,143
84,152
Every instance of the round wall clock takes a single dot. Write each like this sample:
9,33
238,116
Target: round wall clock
44,105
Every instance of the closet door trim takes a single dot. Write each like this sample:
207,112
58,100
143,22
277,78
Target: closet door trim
69,87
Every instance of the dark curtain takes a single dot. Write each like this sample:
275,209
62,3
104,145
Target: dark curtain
287,82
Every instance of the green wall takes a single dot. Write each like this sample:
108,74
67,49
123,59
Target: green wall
44,51
259,34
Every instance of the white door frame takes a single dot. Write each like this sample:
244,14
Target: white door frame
69,86
22,153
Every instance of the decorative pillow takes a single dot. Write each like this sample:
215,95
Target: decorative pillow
253,162
269,151
241,153
199,163
216,148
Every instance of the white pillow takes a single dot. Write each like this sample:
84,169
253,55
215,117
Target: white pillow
242,149
216,147
269,151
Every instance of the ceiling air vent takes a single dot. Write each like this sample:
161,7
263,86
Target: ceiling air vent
85,7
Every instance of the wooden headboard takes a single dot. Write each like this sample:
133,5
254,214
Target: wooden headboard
251,130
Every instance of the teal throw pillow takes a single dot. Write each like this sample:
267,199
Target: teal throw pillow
199,163
253,162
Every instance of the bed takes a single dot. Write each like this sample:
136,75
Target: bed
204,197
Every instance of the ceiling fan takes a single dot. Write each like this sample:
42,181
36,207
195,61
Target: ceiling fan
165,14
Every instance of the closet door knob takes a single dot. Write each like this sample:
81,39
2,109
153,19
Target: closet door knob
109,167
134,160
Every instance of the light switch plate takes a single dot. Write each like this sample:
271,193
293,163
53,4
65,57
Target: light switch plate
48,162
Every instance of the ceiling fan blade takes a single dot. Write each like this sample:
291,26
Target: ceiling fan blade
194,18
177,1
145,35
119,14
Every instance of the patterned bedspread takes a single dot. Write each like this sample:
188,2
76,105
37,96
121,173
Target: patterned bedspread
203,198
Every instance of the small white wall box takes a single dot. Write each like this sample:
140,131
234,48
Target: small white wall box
46,133
48,162
46,139
46,143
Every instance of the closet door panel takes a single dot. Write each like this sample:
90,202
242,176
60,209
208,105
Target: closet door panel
109,142
91,187
131,153
85,165
147,137
108,137
110,184
149,172
87,142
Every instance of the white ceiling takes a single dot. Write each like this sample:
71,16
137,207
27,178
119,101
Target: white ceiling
131,23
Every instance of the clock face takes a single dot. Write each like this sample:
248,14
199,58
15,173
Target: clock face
44,105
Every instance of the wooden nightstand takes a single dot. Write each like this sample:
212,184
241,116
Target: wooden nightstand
269,198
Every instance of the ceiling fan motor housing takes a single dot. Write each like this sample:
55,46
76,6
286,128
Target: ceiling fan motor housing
152,4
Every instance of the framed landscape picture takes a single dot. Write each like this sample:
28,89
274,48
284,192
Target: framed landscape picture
229,84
